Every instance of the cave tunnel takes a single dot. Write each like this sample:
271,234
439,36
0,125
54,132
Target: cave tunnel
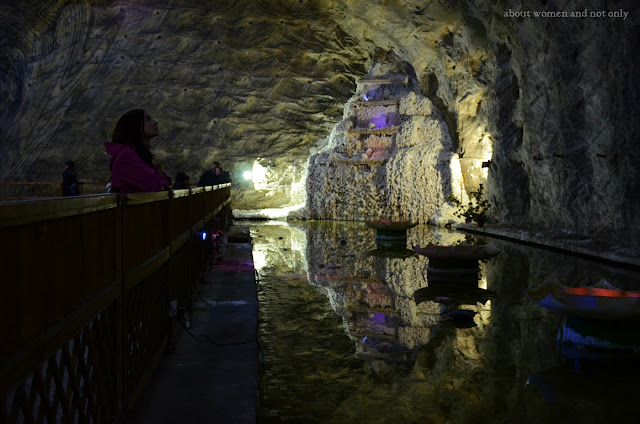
524,113
540,111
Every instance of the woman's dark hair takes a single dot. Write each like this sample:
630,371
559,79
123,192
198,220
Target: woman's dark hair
130,130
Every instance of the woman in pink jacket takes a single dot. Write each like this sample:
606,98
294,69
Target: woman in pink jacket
131,165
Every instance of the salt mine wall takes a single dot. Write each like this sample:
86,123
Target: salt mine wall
539,97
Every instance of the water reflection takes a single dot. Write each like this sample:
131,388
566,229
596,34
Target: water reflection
356,331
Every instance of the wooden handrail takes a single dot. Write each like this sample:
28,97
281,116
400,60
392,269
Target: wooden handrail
15,190
85,282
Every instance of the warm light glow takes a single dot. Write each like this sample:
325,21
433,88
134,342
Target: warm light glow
259,259
487,151
457,187
259,176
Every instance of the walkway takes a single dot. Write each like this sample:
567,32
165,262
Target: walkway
211,375
579,245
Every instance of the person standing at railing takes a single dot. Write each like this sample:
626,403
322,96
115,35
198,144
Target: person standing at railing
221,176
208,177
182,181
69,180
132,168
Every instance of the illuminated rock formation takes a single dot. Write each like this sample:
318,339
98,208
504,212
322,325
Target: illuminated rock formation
389,158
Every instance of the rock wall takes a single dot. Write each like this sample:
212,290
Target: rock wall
232,81
541,109
547,103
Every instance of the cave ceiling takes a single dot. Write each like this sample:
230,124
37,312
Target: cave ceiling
226,80
552,101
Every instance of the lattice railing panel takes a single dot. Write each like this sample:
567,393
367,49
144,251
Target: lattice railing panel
75,385
147,312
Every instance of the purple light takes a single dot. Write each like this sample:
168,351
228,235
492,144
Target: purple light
379,317
380,121
366,98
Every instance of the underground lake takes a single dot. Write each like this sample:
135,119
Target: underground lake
356,328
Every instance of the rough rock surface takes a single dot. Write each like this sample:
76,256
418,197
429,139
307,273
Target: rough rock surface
389,158
551,101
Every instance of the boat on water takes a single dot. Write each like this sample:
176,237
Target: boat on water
459,252
601,301
390,230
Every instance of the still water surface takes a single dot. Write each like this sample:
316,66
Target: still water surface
353,331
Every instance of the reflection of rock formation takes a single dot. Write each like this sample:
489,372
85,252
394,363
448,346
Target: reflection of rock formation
457,374
373,289
278,248
389,158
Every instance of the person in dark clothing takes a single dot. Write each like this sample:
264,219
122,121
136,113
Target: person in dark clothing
208,177
182,181
221,176
69,180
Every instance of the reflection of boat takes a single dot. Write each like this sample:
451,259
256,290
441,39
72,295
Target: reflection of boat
594,302
460,252
452,293
390,230
452,270
459,318
596,338
391,225
391,252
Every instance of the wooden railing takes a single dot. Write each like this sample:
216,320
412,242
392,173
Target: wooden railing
15,190
86,284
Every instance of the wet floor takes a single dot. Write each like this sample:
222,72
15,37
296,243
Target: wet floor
355,330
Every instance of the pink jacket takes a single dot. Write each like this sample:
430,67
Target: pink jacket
130,174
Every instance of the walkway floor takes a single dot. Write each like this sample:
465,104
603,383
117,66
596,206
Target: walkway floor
210,374
580,245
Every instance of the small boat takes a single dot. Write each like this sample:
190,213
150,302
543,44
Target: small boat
460,252
391,225
391,230
601,301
